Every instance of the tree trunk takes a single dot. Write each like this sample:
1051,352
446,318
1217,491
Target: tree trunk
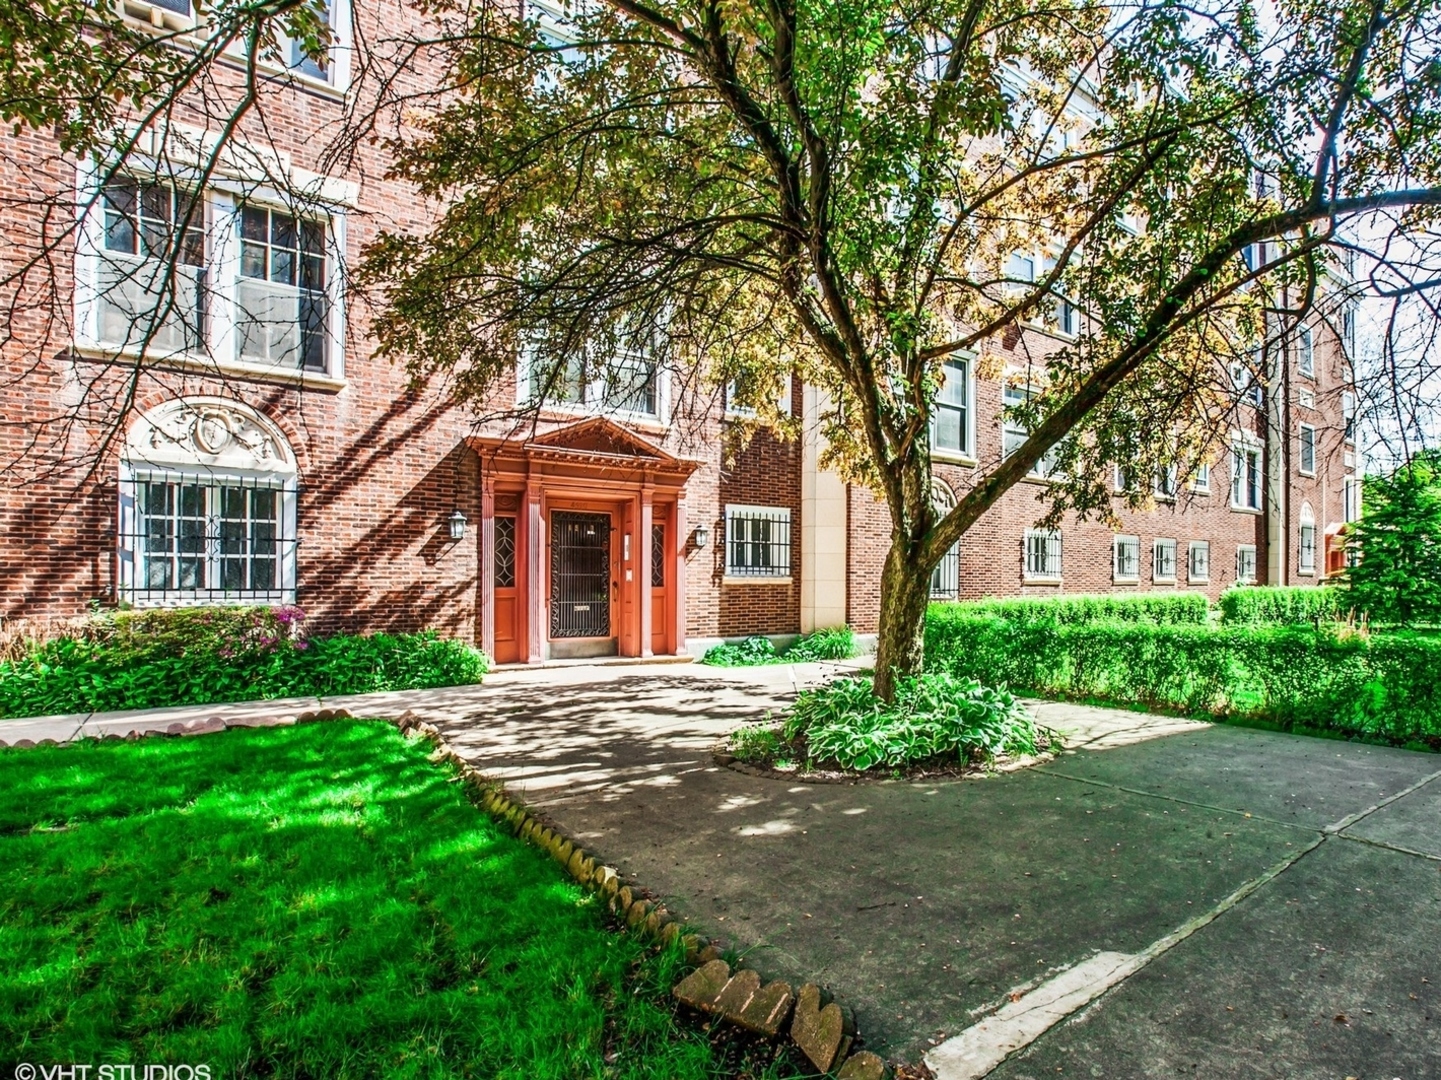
905,592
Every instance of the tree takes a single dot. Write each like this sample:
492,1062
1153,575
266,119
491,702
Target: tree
746,189
1396,576
838,188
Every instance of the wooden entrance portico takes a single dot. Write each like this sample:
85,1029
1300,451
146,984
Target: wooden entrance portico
545,594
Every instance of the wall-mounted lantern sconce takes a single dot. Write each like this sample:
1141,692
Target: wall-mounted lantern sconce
457,522
701,536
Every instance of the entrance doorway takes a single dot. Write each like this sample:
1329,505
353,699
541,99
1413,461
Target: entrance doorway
582,584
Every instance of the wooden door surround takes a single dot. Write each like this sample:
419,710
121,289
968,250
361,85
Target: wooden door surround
594,466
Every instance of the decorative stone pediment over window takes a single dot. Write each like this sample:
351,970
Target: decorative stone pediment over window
211,432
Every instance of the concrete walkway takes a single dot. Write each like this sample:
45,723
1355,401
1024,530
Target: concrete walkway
1167,897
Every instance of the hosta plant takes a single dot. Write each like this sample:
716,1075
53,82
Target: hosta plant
936,718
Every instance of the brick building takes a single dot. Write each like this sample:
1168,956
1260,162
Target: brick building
264,454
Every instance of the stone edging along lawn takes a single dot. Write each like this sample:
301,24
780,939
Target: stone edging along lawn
820,1028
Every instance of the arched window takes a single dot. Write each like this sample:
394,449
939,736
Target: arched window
207,509
1307,562
946,577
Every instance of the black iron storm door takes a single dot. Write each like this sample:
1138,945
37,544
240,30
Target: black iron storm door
579,575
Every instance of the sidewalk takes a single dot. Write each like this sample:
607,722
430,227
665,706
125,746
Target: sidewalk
448,704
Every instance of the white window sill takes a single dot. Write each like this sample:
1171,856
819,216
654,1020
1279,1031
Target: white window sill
194,362
1198,581
187,33
953,457
1049,331
1026,580
1163,581
1125,580
1303,572
1245,509
729,580
1303,472
302,81
1200,491
642,421
200,599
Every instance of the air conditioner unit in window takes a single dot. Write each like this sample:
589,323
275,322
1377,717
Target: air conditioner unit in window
161,14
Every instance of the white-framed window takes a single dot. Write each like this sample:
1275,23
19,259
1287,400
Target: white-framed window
323,69
207,508
1306,397
228,279
1042,550
1055,313
946,575
1163,560
1120,480
1246,377
631,383
282,316
1307,463
1201,478
1348,415
1306,564
150,270
1245,477
737,391
1246,564
1164,484
1347,328
1351,498
1126,558
758,541
952,418
1198,562
203,538
1014,433
1306,353
332,70
161,14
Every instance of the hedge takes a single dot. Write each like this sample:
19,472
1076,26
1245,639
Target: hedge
1169,609
190,657
1386,686
1277,605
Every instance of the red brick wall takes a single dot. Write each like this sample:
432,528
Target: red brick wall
767,472
991,554
381,467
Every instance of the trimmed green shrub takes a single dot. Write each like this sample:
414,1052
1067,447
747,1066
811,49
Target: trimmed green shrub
838,643
1397,579
1387,686
935,716
1279,605
205,657
1169,609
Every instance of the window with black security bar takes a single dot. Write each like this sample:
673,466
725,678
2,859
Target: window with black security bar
204,539
946,577
580,581
758,541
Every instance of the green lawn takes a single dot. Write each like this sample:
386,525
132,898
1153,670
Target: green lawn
315,901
